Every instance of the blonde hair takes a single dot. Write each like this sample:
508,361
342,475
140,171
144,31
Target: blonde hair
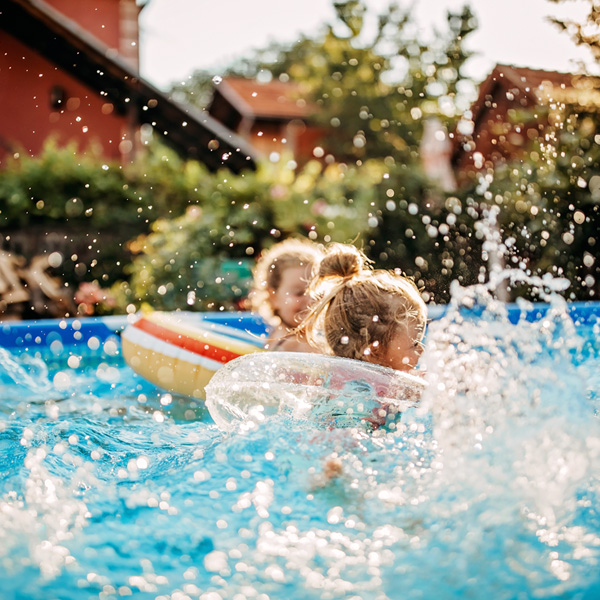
359,309
289,254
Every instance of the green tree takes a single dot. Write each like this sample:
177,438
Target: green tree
373,87
583,33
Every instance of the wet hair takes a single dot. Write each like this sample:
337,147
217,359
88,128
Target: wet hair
358,309
289,254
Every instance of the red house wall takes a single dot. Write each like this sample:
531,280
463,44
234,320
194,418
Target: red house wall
27,118
98,17
300,139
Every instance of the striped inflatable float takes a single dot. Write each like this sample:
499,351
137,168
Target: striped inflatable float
179,353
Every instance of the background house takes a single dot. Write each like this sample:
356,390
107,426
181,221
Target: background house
69,68
514,107
273,117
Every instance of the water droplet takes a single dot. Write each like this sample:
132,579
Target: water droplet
73,361
359,140
568,238
55,259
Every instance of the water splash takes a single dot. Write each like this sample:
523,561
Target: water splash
488,488
519,442
27,372
38,522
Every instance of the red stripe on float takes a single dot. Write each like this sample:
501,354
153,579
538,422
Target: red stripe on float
187,343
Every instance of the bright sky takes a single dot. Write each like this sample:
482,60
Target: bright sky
179,36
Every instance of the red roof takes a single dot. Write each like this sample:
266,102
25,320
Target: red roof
523,77
541,86
275,99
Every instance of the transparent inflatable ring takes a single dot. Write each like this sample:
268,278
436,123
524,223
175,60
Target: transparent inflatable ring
309,388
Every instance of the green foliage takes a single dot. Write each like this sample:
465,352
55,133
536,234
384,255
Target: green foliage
87,208
203,258
61,186
200,252
583,33
431,236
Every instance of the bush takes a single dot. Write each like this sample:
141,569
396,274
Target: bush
87,209
203,258
550,207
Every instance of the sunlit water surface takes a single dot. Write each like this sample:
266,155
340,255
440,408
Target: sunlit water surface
490,489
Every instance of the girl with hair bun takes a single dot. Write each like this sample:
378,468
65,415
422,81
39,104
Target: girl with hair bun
281,277
371,315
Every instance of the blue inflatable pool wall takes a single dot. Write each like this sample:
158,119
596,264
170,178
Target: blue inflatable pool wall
29,335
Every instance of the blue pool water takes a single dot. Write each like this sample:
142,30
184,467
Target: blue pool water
111,488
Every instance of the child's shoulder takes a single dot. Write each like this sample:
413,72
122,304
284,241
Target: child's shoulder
289,343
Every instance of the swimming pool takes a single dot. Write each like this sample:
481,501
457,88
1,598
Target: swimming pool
112,488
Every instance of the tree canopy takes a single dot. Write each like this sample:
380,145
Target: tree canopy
583,33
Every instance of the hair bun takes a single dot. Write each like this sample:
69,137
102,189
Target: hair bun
342,261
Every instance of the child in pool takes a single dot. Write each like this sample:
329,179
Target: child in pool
281,277
371,315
